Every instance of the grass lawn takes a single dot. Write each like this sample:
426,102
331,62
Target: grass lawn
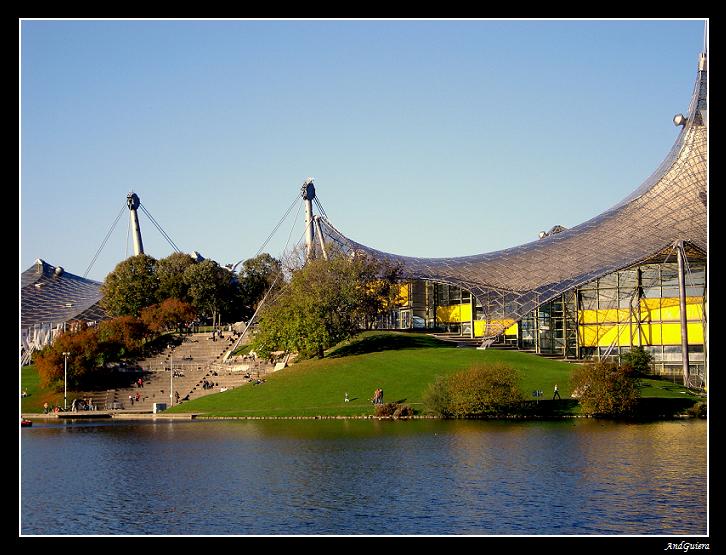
30,382
402,364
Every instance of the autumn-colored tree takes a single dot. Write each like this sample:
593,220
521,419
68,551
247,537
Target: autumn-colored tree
85,356
170,314
122,336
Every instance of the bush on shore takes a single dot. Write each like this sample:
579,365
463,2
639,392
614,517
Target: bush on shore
482,390
606,389
394,410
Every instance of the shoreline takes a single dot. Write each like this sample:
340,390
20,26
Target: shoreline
211,418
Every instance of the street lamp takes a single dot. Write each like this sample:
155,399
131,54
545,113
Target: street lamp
65,381
171,379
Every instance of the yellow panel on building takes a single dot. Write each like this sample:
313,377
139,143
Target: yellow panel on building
480,327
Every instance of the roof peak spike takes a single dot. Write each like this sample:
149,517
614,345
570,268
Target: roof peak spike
705,36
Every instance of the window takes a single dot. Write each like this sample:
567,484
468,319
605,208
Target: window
608,298
608,281
587,300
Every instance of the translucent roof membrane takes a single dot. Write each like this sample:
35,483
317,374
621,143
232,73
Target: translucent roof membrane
669,206
51,295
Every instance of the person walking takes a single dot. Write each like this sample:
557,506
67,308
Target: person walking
556,394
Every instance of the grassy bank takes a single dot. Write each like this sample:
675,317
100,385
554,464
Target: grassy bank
402,364
37,395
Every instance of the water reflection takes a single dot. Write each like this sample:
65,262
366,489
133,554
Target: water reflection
364,477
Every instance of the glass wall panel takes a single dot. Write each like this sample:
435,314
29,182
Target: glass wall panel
587,299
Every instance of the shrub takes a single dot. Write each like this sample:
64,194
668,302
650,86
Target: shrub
698,410
606,389
437,399
491,389
395,410
638,359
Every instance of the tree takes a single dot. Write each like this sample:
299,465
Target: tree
122,336
325,302
256,277
606,389
212,289
85,356
131,286
170,272
167,315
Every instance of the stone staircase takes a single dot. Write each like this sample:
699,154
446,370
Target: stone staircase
197,357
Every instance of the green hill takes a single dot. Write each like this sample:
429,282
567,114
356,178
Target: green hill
402,364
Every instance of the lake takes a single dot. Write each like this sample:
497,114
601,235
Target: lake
364,477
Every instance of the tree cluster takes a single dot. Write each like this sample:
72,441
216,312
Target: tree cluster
93,348
214,292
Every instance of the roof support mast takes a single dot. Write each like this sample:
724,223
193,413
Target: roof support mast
133,202
308,194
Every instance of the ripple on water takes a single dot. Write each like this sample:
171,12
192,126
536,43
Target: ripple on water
338,477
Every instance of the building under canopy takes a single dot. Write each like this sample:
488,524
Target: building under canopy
664,215
50,297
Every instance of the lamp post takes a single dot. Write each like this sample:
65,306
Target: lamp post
65,381
171,380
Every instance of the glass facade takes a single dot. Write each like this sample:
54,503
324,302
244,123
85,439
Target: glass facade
603,319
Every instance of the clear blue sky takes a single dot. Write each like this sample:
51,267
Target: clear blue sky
425,138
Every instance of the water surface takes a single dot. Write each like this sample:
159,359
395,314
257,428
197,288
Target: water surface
575,477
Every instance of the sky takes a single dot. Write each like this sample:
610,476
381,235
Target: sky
428,138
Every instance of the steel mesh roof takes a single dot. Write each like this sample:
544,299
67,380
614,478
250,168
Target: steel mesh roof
669,206
51,295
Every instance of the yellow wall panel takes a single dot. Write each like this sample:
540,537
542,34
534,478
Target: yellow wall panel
608,315
695,333
650,334
607,335
453,314
587,317
588,335
671,334
480,327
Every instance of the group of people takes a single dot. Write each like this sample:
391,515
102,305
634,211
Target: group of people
206,384
135,398
76,405
81,404
215,334
377,396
